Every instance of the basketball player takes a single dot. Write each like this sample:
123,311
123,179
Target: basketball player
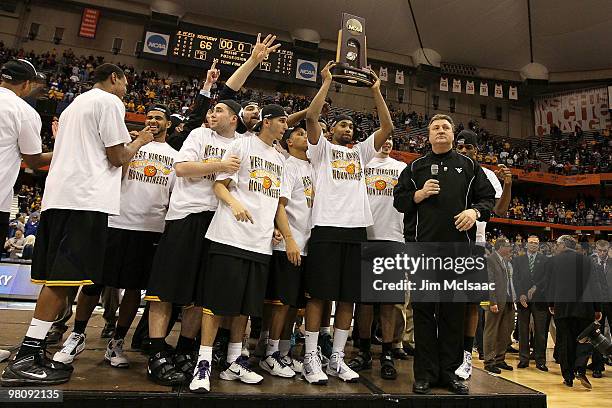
132,238
83,188
241,247
381,176
467,145
340,215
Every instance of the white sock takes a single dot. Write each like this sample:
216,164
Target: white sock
311,339
272,347
38,329
205,353
264,335
233,351
325,330
398,345
340,337
284,347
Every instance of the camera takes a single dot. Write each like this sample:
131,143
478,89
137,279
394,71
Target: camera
592,334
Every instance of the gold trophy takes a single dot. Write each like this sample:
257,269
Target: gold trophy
351,55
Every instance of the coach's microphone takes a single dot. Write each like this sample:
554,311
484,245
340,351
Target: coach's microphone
434,171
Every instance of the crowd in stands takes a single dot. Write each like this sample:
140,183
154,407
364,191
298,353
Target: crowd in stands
575,212
69,75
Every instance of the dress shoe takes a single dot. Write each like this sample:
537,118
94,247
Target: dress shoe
457,387
399,354
409,349
584,380
523,364
505,366
597,374
568,383
108,331
493,369
511,349
421,387
542,367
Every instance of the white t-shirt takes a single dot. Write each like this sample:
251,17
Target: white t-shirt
192,195
80,176
339,182
481,226
297,188
145,189
20,128
257,185
381,175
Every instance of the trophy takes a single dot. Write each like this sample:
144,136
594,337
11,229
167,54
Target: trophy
351,55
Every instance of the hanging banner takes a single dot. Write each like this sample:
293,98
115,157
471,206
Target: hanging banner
499,93
444,84
588,109
484,89
399,77
89,23
512,93
383,74
457,85
469,87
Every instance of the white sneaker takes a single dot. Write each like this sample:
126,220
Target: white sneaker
115,355
312,370
72,347
338,368
465,369
275,365
245,346
293,364
4,354
200,383
240,370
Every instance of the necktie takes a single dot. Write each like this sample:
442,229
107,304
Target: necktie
531,263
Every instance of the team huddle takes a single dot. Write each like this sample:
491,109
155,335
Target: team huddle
258,211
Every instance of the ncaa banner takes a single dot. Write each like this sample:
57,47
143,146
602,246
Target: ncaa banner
469,87
484,89
306,70
456,85
156,43
444,84
586,108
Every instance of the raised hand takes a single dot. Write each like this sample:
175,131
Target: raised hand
325,72
262,49
212,75
376,84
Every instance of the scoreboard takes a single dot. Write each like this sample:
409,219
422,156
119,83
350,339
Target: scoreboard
199,46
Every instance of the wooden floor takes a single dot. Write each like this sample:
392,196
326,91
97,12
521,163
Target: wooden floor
90,368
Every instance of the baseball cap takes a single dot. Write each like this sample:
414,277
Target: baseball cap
18,70
244,104
467,137
236,108
289,131
161,108
269,112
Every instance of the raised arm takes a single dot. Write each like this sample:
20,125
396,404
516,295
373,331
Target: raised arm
260,52
313,128
386,124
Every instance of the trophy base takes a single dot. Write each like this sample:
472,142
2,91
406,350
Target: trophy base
347,75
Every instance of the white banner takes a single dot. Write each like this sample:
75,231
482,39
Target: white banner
444,84
306,70
456,85
484,89
469,87
399,77
512,93
499,92
156,43
383,74
587,109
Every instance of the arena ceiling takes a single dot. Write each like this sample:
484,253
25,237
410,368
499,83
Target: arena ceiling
568,35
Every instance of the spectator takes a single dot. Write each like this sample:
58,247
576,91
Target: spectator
14,246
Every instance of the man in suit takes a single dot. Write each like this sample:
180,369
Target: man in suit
603,268
529,280
573,294
500,314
